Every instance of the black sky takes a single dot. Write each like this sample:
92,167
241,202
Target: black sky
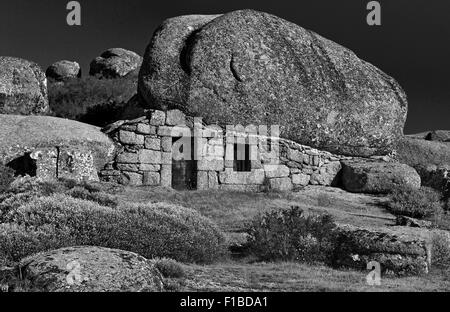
412,45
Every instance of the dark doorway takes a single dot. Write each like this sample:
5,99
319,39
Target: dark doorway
24,165
242,157
184,171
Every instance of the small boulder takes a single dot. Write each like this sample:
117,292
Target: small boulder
377,177
412,222
89,269
114,63
63,70
23,87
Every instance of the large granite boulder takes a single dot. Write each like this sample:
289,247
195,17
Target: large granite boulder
23,87
114,63
63,70
377,177
23,134
252,67
89,269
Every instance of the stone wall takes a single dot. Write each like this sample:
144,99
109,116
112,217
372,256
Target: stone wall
145,156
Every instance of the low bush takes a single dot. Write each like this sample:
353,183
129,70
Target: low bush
101,198
415,203
440,249
91,100
169,268
6,177
288,234
152,230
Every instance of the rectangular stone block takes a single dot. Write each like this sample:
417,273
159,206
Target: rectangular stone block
276,171
143,128
300,179
166,144
210,164
158,118
202,180
295,155
175,117
213,182
229,176
128,158
151,178
166,158
166,175
128,167
153,143
127,137
149,167
280,184
132,178
149,156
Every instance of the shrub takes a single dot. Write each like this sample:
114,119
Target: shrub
101,198
6,177
415,203
287,234
440,249
91,100
169,268
152,230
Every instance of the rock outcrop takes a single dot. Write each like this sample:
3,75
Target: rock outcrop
429,154
249,67
63,70
89,269
377,177
61,147
114,63
23,87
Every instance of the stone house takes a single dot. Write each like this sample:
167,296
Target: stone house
171,149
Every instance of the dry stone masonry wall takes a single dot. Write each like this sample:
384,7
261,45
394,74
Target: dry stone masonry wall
149,145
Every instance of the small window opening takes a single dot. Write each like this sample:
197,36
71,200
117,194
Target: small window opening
242,157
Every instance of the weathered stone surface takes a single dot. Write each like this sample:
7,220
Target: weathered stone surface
128,158
144,128
22,134
166,175
153,143
128,137
210,164
438,135
23,87
129,167
151,178
249,67
149,156
63,70
280,184
328,174
213,180
114,63
411,222
420,152
300,179
76,164
158,118
202,180
397,254
276,171
241,187
229,176
166,144
175,117
149,167
90,269
131,178
377,177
